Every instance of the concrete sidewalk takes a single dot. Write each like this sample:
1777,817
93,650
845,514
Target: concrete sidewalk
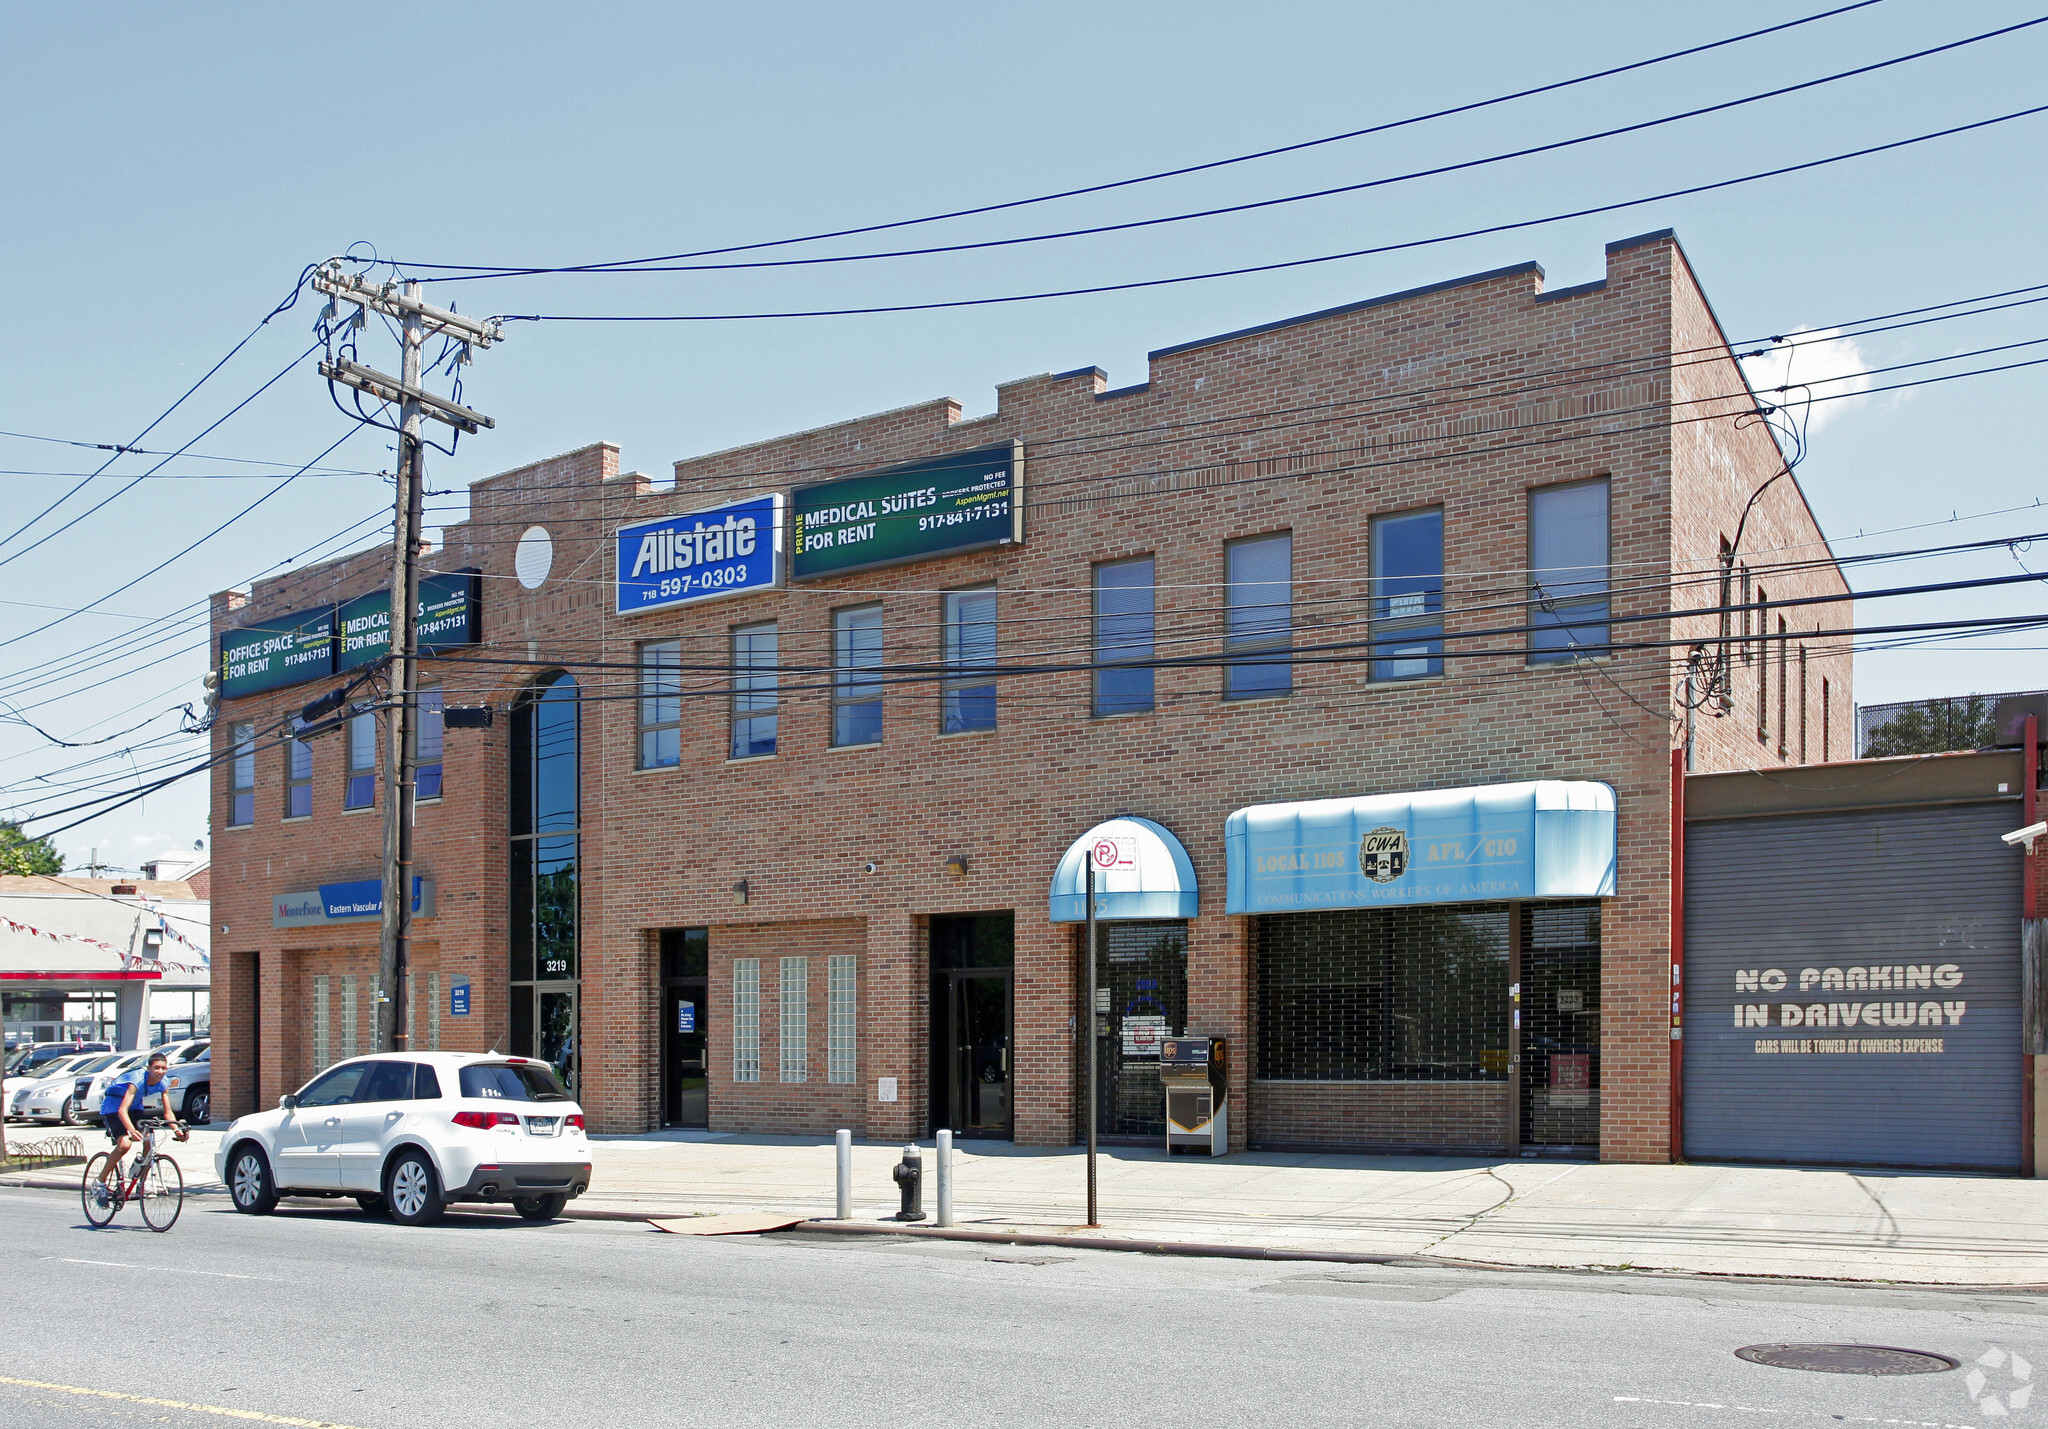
1721,1220
1858,1225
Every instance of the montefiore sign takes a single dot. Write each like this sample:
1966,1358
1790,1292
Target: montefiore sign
680,559
357,901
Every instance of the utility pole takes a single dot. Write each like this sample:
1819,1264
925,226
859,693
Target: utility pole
419,320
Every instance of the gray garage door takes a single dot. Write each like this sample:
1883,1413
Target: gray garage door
1852,988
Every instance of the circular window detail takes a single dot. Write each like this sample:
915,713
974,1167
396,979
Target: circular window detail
534,557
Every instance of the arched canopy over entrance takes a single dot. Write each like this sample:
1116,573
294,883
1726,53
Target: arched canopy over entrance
1141,871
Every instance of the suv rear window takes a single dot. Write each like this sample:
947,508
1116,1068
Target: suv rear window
512,1081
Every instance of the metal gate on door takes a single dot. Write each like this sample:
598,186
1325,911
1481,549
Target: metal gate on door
1852,988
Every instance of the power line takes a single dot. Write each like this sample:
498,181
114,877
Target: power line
1284,264
488,270
290,298
1435,171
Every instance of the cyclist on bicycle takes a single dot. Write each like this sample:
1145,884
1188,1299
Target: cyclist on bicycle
128,1094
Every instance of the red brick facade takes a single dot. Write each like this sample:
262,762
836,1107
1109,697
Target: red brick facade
1467,396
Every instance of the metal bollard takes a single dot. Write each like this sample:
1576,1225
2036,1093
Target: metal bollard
945,1178
843,1150
909,1174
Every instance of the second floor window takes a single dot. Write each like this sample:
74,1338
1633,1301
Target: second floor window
298,776
755,692
1123,636
362,761
1568,559
1408,595
661,703
856,677
970,683
427,743
242,778
1258,615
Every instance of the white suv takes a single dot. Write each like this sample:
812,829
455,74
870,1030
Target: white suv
412,1132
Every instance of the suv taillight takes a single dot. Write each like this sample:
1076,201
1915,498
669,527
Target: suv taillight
576,1120
485,1120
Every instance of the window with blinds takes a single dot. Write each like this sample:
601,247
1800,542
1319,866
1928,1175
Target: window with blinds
1384,995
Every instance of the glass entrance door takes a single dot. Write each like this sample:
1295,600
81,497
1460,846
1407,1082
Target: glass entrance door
977,1048
686,1055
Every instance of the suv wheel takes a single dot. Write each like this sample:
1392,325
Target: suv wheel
541,1208
412,1191
249,1181
199,1105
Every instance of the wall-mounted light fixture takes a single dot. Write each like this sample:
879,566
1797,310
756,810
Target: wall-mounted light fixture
957,865
739,891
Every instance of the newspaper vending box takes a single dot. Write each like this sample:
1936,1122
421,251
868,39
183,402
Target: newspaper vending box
1197,1115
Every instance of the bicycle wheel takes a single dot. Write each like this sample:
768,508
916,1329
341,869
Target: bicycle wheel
97,1212
163,1193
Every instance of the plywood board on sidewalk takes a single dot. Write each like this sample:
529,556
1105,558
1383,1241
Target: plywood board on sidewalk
741,1223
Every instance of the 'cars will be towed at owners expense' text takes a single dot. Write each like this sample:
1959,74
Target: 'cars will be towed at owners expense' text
412,1133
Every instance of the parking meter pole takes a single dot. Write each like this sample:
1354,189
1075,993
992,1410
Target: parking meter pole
1090,1052
945,1178
842,1146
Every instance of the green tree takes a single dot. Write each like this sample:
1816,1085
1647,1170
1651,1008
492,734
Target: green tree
1933,727
21,854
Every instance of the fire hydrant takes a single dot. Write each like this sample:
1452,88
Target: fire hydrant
909,1174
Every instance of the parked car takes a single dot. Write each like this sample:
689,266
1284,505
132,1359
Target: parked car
24,1061
411,1134
15,1090
50,1098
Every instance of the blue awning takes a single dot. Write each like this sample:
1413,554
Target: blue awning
1550,838
1141,871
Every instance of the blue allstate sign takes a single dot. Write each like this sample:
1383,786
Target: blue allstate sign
679,559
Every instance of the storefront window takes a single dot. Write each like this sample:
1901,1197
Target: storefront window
545,894
1384,995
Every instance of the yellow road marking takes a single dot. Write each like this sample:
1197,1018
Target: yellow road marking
224,1412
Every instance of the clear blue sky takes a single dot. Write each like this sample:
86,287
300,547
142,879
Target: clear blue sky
170,170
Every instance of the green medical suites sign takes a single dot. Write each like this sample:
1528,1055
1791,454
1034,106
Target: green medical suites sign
446,617
912,512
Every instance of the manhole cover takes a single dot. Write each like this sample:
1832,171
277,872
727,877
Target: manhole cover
1847,1359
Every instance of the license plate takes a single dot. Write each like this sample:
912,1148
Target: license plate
542,1125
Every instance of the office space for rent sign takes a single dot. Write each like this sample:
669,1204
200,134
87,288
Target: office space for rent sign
278,652
913,512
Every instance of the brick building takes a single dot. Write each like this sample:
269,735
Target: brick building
785,860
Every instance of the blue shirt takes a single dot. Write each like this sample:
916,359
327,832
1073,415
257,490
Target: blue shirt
110,1105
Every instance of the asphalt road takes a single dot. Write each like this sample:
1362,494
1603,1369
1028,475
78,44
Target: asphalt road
330,1316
